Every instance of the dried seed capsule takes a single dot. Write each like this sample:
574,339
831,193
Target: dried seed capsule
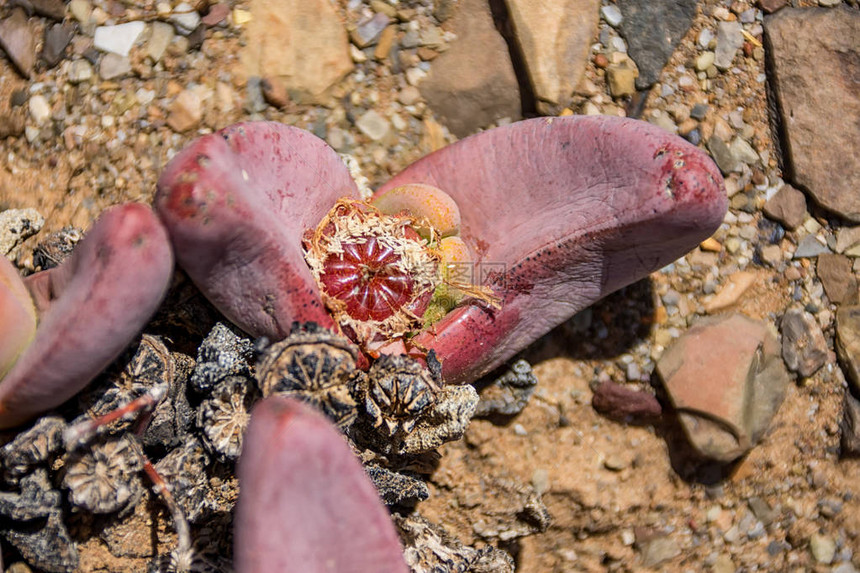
224,416
36,498
102,478
314,365
399,391
56,248
32,447
223,353
509,393
397,488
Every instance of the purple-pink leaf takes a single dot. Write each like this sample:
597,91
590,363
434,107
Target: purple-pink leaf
560,212
17,316
90,308
305,503
236,204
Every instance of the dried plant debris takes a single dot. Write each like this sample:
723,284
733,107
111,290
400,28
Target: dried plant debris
102,477
223,416
397,488
210,553
151,364
45,544
56,248
185,469
428,548
36,498
223,353
314,365
517,511
445,421
508,394
173,416
399,391
32,447
196,562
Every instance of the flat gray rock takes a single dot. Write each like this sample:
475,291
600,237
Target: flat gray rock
653,30
803,346
816,63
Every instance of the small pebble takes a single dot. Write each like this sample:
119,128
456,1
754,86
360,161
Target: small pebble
373,125
40,109
822,547
113,66
809,247
186,111
159,39
614,463
118,39
611,14
185,18
704,61
80,71
706,37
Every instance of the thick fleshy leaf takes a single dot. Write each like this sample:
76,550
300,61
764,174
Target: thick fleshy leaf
305,503
236,204
559,212
17,316
90,308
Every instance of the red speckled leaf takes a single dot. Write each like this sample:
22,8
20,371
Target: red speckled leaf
560,212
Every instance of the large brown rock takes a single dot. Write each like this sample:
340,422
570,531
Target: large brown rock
18,41
554,36
816,63
726,379
302,43
473,84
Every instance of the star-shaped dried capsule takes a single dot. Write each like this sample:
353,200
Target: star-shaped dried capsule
316,366
103,476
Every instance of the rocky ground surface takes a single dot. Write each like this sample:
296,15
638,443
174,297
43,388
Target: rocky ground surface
704,419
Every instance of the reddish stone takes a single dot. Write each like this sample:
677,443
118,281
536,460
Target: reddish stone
726,379
771,6
837,277
788,207
624,404
217,14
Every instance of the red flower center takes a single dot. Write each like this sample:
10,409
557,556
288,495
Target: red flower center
366,277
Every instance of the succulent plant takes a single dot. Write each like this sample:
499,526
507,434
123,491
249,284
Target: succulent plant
554,213
306,503
88,309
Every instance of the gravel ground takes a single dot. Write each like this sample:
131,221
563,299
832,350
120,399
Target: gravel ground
79,137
